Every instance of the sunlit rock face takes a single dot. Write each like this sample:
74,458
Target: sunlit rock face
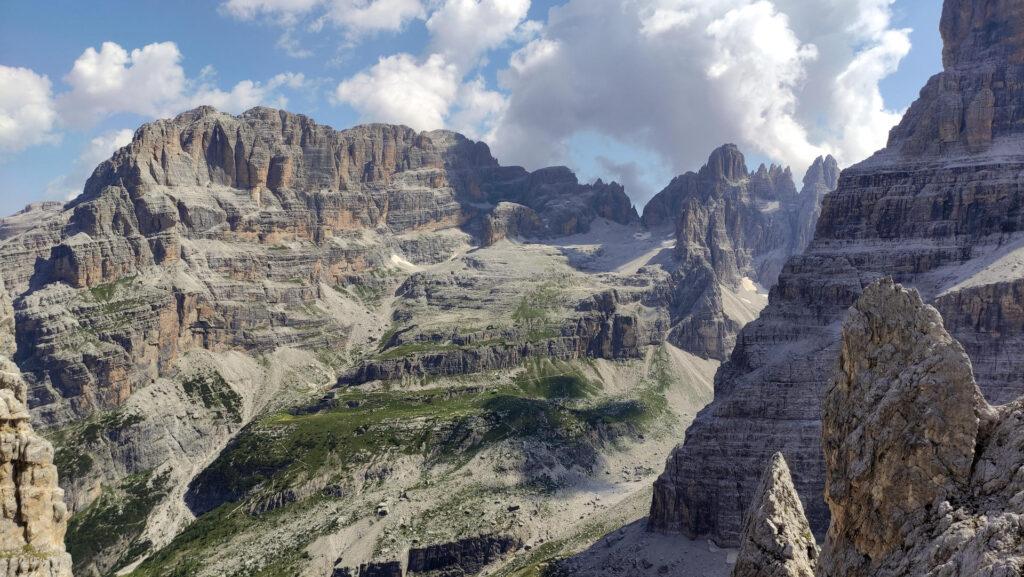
940,209
923,475
33,517
235,224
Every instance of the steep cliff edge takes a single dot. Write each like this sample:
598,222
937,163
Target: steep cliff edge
733,228
923,475
941,209
34,518
218,232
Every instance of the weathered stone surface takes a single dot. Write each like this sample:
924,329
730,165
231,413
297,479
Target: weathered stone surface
463,558
218,232
731,225
923,475
933,211
34,517
776,540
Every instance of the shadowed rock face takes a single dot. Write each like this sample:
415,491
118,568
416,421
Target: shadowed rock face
776,541
923,475
941,209
732,224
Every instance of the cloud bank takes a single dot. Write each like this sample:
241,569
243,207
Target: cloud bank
787,80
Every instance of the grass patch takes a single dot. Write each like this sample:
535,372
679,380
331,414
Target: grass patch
117,517
214,392
105,292
553,379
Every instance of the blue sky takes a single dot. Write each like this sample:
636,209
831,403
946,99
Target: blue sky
629,90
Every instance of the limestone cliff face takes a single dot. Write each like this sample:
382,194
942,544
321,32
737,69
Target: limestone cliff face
922,473
940,210
211,231
776,541
732,224
34,517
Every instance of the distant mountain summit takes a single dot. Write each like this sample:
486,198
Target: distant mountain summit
732,226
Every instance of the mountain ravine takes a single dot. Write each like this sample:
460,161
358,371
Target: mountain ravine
262,346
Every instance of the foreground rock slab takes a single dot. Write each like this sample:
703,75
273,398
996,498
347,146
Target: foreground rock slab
777,540
924,477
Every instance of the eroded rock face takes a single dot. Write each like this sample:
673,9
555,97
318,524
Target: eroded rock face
940,210
732,224
923,475
220,232
34,517
776,540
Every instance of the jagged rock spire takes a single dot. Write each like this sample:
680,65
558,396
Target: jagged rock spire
776,540
34,517
923,476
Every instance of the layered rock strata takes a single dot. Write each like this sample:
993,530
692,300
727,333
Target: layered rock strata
732,226
940,210
777,540
923,475
34,517
219,232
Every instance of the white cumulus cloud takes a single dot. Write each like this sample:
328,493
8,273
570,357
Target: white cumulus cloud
28,116
98,149
146,81
400,89
463,30
785,79
151,82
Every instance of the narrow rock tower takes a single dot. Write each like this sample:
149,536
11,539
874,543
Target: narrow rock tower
34,516
776,540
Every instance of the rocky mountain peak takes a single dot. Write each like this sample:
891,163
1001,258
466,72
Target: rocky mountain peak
726,163
979,31
922,473
900,420
824,171
777,539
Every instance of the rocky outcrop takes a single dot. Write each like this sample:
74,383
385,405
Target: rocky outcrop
923,475
34,517
938,210
731,225
510,220
600,330
776,540
461,558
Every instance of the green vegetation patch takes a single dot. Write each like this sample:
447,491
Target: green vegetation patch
553,379
534,311
214,392
105,292
73,443
114,519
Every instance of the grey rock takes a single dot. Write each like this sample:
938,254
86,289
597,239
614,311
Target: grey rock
922,473
933,211
729,224
777,540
